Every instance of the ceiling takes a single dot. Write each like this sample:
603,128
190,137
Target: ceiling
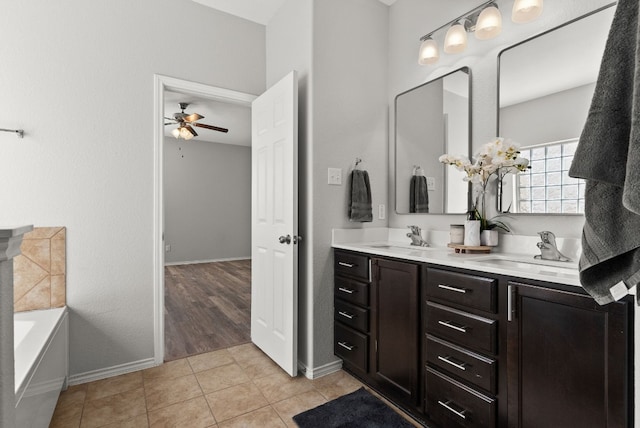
234,117
260,11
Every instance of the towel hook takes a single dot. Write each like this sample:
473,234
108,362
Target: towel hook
18,132
358,161
416,169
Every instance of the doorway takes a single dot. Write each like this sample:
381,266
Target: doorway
166,87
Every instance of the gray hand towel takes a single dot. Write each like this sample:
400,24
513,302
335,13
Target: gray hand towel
608,157
418,195
360,205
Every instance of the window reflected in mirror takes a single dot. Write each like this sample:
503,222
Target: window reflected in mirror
545,188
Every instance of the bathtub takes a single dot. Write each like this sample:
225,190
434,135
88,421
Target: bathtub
41,364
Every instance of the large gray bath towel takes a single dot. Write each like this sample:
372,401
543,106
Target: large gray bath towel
608,157
360,205
418,195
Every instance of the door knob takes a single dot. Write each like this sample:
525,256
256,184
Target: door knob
285,239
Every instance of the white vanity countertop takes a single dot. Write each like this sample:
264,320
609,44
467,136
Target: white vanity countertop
386,242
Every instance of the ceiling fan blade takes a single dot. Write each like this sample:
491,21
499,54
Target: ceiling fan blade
213,128
190,129
193,117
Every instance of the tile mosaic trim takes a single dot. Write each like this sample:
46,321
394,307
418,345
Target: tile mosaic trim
39,273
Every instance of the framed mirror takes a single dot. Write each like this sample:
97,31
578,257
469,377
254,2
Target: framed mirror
431,120
545,88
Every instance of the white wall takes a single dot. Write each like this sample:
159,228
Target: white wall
78,77
339,46
207,190
411,19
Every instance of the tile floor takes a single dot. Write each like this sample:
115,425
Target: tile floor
234,387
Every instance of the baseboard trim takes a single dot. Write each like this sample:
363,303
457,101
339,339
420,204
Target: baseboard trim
111,371
316,372
196,262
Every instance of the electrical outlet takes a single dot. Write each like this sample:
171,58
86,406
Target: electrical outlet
167,248
334,176
382,212
431,183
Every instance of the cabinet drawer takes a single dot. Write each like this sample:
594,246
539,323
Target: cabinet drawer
452,404
463,328
351,346
473,291
351,315
355,265
352,291
474,368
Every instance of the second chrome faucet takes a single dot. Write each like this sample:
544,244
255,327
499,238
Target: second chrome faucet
416,237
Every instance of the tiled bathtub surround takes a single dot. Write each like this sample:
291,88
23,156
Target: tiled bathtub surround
40,271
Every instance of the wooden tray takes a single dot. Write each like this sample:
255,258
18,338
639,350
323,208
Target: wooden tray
469,248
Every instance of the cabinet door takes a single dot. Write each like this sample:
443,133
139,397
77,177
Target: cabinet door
568,360
396,304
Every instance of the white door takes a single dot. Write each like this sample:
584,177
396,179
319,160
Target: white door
274,218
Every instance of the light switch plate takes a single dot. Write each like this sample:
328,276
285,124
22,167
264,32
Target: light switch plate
431,183
334,176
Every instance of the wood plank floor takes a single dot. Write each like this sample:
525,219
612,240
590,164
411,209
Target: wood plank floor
207,307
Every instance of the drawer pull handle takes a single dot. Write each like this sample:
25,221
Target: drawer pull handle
447,406
450,288
461,329
449,360
349,265
346,290
346,346
346,315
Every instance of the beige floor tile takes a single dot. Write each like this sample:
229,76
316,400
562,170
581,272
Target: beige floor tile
336,384
164,392
221,377
67,416
114,408
245,352
263,418
192,413
168,370
235,401
114,385
74,395
290,407
259,366
280,386
210,360
137,422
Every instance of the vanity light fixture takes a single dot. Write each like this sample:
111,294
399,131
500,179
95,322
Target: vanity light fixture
429,53
456,39
526,10
485,21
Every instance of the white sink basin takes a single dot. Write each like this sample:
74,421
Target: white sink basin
545,267
399,247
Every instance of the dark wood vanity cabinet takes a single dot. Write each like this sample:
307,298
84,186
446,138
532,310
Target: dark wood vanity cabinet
459,348
568,360
395,310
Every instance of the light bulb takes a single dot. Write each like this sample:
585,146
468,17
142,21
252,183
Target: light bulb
176,133
456,39
428,52
489,23
526,10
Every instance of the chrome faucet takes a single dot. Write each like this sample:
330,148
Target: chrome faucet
416,237
549,249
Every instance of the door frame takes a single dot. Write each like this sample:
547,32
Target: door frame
161,84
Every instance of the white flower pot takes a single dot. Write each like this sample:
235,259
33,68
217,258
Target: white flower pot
489,238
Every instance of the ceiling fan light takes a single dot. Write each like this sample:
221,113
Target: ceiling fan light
456,39
176,133
185,134
428,53
489,24
526,10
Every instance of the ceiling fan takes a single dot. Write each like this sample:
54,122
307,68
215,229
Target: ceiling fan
186,122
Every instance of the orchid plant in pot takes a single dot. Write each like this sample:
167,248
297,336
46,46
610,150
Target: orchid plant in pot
494,159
